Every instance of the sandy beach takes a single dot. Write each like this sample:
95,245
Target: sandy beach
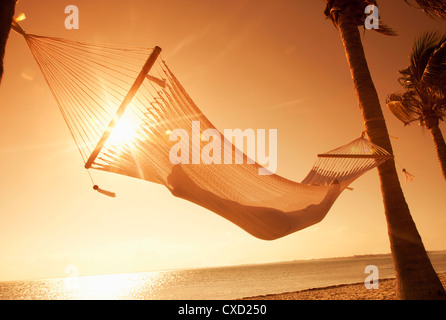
355,291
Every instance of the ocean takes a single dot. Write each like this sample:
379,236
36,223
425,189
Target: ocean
222,283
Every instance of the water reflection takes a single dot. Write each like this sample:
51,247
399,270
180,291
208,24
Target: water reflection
108,287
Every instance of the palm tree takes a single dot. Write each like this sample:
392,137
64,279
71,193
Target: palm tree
7,8
416,278
424,81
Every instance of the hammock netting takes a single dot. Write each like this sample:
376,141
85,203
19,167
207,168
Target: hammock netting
121,104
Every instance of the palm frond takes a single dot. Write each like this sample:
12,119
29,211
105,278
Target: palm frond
441,110
433,8
385,29
434,75
404,108
422,51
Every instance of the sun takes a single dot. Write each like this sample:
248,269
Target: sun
124,131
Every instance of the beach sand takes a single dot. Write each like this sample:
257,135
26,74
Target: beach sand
357,291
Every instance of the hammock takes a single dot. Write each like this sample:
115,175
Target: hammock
121,104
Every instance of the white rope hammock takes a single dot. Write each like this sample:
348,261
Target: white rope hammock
98,88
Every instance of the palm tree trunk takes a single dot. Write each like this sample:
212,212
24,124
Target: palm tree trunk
416,278
7,8
440,146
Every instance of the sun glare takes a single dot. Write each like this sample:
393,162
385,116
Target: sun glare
21,17
125,130
117,286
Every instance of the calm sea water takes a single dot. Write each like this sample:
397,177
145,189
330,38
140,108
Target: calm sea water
210,283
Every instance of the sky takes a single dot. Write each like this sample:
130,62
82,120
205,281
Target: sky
247,64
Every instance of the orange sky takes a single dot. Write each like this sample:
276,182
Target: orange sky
247,64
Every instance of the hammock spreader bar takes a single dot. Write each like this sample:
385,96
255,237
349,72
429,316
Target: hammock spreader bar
17,28
139,80
355,156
